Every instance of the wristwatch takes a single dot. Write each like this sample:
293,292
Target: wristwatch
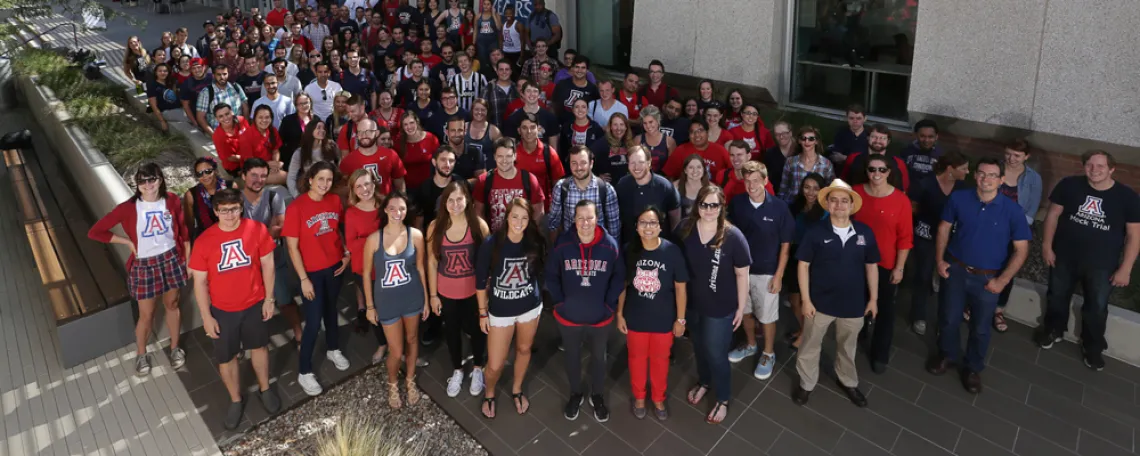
681,321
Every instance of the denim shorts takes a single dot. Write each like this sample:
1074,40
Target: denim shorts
392,321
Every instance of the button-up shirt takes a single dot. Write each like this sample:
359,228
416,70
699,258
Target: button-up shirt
794,173
566,195
497,100
231,95
983,231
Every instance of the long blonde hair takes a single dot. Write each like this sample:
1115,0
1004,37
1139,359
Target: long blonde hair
355,176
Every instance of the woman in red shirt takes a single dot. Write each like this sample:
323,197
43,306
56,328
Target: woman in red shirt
415,148
362,218
752,131
157,265
387,114
262,141
227,137
316,251
887,210
717,132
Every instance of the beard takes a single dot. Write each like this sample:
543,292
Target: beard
440,173
365,143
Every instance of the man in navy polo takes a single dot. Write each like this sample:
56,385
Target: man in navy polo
985,222
769,227
642,188
838,268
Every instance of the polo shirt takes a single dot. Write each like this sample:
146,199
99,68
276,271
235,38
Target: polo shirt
837,276
847,142
983,231
632,198
765,228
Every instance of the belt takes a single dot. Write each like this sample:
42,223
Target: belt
973,270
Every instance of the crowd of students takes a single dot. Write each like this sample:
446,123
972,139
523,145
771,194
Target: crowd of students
463,202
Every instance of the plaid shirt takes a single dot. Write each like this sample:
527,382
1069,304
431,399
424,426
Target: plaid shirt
232,95
498,101
794,173
530,67
315,33
563,217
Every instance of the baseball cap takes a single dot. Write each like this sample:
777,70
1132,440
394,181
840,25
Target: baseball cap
207,23
197,61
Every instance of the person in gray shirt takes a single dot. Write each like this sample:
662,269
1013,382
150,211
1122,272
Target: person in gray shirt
543,24
267,205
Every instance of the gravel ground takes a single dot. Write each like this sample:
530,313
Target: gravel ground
363,396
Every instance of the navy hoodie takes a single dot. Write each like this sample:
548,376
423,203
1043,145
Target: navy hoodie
585,280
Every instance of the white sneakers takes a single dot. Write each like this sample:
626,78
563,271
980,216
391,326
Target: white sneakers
309,384
455,382
477,384
337,359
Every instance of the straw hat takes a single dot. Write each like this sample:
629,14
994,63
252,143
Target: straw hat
839,185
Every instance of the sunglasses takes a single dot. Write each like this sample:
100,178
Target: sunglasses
146,180
204,173
710,206
882,169
324,96
807,138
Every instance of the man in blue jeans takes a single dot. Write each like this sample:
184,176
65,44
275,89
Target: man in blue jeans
1093,218
970,262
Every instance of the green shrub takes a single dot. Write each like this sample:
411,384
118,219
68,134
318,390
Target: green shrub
361,437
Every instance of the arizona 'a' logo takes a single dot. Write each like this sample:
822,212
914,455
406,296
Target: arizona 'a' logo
458,263
155,223
374,169
233,256
514,273
1093,206
395,274
647,280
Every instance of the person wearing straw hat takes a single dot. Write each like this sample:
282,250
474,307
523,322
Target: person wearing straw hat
837,269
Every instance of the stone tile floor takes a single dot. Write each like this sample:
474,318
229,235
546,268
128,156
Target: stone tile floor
1036,402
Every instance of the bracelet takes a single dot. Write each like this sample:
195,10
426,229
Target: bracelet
370,308
482,316
304,279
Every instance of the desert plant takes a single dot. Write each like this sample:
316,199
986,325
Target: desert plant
353,436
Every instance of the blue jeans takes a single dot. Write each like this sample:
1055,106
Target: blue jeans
326,289
1063,278
712,339
961,290
921,287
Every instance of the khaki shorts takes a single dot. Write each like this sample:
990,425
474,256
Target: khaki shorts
765,306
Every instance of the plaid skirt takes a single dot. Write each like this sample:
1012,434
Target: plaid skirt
151,277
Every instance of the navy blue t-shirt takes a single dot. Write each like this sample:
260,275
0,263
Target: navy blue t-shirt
765,228
930,199
511,284
837,276
251,85
651,296
633,198
847,143
189,88
1093,224
437,123
712,272
362,84
166,99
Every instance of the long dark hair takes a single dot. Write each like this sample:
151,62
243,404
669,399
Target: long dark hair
303,183
534,246
273,138
799,203
328,147
894,179
634,249
171,82
443,220
150,170
722,223
391,196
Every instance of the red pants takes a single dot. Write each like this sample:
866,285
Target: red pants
652,349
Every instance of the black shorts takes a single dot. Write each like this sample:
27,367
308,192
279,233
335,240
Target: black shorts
791,272
242,330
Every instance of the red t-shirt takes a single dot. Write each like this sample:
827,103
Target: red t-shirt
232,262
716,159
385,166
634,103
503,192
724,138
315,225
534,163
735,186
417,159
546,94
345,137
357,226
255,144
661,95
392,124
890,218
227,145
430,60
276,17
759,139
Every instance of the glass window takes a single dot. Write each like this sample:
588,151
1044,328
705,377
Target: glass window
854,51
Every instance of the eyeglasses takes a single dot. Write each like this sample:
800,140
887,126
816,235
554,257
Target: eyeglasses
204,172
710,206
146,180
750,113
649,224
881,169
228,210
807,138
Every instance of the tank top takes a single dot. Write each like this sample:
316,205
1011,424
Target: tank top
660,153
398,289
512,42
457,270
484,146
486,33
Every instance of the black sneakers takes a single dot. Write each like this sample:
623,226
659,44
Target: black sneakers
1046,338
1094,360
601,413
572,406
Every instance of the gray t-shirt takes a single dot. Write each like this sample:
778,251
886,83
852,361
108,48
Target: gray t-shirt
541,25
271,204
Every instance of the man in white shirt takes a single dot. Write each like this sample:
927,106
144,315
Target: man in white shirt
280,104
322,91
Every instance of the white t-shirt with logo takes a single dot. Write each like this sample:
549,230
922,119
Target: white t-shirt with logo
154,229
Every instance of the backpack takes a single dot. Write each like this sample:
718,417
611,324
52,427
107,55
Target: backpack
489,183
603,195
210,104
725,176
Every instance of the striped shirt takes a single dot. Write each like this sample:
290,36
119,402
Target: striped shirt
469,88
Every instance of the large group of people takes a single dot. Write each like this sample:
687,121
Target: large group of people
466,181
